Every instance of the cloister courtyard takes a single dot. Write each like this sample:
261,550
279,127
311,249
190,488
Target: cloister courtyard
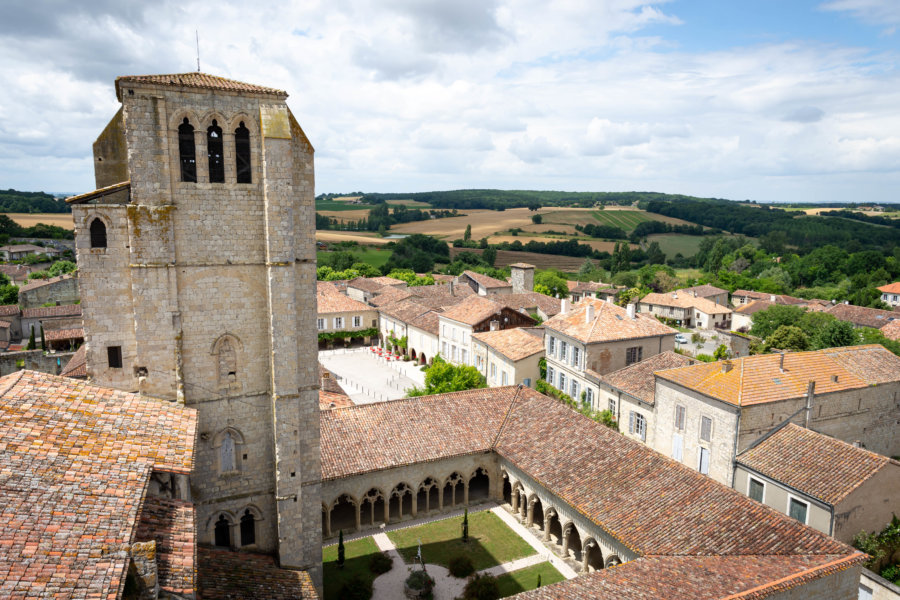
498,544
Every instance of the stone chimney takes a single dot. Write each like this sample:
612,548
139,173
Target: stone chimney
675,295
629,310
495,325
589,313
772,298
452,287
781,363
810,394
563,306
727,366
522,276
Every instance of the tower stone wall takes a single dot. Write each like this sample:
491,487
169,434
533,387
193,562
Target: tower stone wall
208,290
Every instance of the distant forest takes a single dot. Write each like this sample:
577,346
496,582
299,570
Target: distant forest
14,201
503,199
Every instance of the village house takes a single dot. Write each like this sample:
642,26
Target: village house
12,314
593,289
862,316
687,310
57,290
474,314
822,482
719,409
533,303
890,294
394,319
20,251
521,277
423,337
509,356
710,292
628,393
484,285
363,289
742,316
601,337
892,330
67,316
65,340
17,273
337,312
740,297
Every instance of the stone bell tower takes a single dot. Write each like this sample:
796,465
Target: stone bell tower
196,264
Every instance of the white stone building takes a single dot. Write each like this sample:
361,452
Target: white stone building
509,356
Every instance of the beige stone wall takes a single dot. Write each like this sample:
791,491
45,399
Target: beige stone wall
516,371
842,585
110,154
423,342
778,496
210,290
869,507
367,316
610,356
881,588
64,291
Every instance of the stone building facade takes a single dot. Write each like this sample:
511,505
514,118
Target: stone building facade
197,272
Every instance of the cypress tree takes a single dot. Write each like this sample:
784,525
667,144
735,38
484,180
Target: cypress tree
43,341
30,345
340,559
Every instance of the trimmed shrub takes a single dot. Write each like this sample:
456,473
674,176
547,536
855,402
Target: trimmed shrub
461,566
380,563
421,582
481,587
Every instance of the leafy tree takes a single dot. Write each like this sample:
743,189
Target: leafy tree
481,587
788,337
834,334
9,294
655,255
365,269
537,219
765,322
585,270
778,276
62,267
465,526
721,352
43,341
468,234
552,282
489,256
442,377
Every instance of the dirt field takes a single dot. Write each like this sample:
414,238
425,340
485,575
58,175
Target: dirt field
569,229
63,220
347,215
349,236
600,245
569,264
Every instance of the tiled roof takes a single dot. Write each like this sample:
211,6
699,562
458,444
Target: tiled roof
758,379
682,300
15,271
371,437
637,380
776,298
473,310
610,323
336,302
485,281
9,310
891,288
428,321
228,575
529,300
589,287
704,291
364,284
328,382
329,400
75,460
64,310
441,290
37,283
697,578
817,465
197,80
388,295
99,193
28,248
170,523
384,280
753,307
892,330
53,335
77,365
403,311
862,316
514,344
5,324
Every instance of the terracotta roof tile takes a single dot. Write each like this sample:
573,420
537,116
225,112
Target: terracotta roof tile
404,310
610,323
862,316
473,310
891,288
329,400
817,465
753,307
38,283
892,330
682,300
54,335
774,298
10,310
531,300
197,80
758,379
77,365
366,285
391,281
388,294
428,321
704,291
170,523
514,344
486,281
227,575
336,302
637,380
64,310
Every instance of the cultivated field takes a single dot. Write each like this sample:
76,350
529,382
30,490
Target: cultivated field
567,264
349,236
601,245
673,243
63,220
484,223
347,215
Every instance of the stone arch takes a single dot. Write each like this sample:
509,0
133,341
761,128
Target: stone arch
454,490
535,512
553,527
228,444
373,508
479,485
342,516
422,359
206,119
249,516
612,560
507,488
226,350
517,492
412,353
427,496
98,232
234,121
592,556
400,502
571,541
178,117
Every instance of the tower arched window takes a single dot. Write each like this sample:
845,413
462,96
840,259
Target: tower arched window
227,460
214,151
187,152
223,532
242,154
248,528
98,234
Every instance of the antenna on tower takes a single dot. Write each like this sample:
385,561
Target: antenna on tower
197,33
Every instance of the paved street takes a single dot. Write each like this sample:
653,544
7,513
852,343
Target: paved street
368,378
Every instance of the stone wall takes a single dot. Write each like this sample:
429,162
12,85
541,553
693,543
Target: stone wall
62,291
33,360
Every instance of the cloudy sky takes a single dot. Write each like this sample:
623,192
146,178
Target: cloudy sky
771,100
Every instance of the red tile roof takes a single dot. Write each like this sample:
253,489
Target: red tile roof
473,310
9,310
37,283
862,316
753,307
815,464
76,460
77,365
891,288
758,379
610,323
704,291
514,344
227,575
388,294
485,281
54,335
336,302
892,330
637,380
43,312
681,300
196,80
170,523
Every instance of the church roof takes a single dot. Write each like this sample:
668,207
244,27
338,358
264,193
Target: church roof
196,80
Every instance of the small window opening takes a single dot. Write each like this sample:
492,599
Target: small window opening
114,356
242,154
187,152
214,152
98,234
223,532
248,529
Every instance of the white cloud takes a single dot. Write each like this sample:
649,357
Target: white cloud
874,12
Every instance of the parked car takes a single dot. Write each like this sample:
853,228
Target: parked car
680,338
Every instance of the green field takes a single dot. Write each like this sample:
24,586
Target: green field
409,203
334,205
626,220
526,579
356,562
673,243
367,254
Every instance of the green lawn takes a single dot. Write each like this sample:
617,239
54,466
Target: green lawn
526,579
333,205
490,543
356,562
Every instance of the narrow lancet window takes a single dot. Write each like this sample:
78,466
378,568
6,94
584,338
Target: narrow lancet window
242,154
214,151
227,459
98,234
248,529
223,532
187,152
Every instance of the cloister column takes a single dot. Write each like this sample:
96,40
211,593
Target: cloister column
328,523
440,500
523,507
415,502
530,520
584,556
515,500
548,516
358,509
565,542
387,511
466,493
